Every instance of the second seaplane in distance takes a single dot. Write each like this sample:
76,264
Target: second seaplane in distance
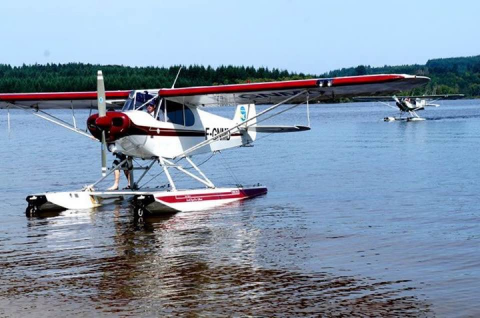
408,105
179,128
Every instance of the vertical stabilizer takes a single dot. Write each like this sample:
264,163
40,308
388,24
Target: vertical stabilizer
242,114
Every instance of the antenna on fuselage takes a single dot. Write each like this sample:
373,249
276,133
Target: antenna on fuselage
178,73
160,102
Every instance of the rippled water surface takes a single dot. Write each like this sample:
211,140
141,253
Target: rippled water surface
362,217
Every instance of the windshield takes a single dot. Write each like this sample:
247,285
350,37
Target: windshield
128,105
129,102
136,99
141,98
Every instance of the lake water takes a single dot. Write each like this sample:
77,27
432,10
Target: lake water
362,217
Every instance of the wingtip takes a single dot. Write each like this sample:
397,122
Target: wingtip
303,128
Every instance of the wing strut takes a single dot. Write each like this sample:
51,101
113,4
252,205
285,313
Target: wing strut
8,119
209,141
55,120
73,115
308,110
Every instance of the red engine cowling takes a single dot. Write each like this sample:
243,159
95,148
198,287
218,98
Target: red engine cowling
115,125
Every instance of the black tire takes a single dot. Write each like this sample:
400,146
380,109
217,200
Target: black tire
139,212
31,211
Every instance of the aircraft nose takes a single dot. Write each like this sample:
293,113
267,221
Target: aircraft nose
104,122
115,125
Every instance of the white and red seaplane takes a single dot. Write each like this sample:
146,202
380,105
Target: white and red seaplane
180,128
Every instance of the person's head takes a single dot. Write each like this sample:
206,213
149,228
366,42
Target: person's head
151,107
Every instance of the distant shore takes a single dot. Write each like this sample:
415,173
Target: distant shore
460,75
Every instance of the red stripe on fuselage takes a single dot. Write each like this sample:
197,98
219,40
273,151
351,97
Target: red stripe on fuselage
167,132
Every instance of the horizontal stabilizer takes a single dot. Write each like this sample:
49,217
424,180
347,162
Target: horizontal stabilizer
278,129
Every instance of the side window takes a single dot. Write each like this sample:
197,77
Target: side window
189,117
174,113
178,113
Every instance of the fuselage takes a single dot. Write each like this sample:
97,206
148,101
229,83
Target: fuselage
151,137
138,134
407,104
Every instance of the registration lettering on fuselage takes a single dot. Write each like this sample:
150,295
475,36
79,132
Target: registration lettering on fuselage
213,132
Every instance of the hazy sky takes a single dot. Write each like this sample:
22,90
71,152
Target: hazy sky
303,35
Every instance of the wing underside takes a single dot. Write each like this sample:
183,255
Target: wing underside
61,100
317,90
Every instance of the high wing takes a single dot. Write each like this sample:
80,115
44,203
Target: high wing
321,89
389,98
36,103
61,99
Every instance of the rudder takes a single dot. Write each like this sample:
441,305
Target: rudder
242,114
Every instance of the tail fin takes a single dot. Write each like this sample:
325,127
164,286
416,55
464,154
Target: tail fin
245,112
242,114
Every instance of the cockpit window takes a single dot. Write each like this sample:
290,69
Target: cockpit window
137,99
177,113
141,98
128,105
189,117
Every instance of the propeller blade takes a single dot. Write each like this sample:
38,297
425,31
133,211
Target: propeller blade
102,104
102,111
395,98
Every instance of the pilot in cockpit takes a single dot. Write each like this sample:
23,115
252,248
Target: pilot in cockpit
151,107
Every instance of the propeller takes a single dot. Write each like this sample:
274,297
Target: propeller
102,111
400,105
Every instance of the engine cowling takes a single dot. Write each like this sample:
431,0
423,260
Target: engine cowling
115,125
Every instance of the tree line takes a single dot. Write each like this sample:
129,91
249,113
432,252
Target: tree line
82,77
459,75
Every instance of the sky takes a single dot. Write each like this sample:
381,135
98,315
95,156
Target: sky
296,35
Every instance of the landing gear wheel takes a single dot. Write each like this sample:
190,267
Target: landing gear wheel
139,212
31,211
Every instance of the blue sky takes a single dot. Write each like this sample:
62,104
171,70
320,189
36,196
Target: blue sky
303,35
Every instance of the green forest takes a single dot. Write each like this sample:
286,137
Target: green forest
460,75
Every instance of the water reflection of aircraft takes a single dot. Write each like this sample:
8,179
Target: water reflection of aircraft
178,128
408,104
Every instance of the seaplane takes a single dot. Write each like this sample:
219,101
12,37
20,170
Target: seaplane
179,128
408,105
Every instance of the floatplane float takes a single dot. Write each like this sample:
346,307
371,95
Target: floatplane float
408,105
179,128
